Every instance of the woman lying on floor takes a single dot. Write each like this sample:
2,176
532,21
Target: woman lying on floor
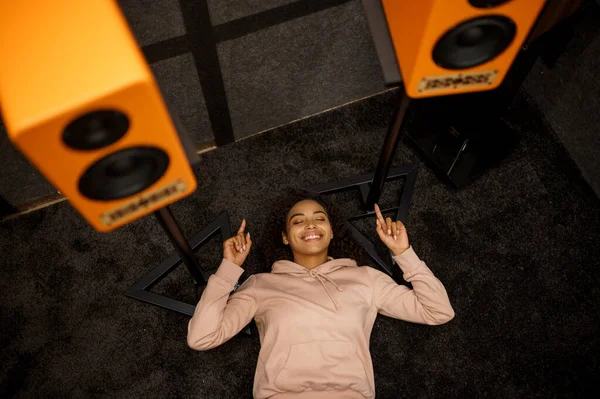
314,314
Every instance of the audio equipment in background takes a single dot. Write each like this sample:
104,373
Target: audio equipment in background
456,46
443,47
464,135
79,100
464,48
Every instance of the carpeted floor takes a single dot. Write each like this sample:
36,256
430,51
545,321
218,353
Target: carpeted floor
517,251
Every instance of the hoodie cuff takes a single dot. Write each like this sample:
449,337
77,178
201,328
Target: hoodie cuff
408,260
229,272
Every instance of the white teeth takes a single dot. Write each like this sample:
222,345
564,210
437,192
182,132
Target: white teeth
311,237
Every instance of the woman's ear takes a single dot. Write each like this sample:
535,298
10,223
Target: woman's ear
284,238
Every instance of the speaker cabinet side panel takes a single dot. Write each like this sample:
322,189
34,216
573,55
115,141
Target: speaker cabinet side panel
54,56
407,22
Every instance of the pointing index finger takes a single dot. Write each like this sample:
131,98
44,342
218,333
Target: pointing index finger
379,215
242,227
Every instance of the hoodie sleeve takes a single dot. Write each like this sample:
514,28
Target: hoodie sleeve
427,303
219,316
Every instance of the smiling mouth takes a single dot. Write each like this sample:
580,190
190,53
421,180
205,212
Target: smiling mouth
312,237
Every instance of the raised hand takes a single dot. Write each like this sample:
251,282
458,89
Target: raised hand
237,248
393,234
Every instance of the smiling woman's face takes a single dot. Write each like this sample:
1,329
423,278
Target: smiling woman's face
308,230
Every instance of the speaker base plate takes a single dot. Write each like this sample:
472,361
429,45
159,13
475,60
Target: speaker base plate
459,154
141,289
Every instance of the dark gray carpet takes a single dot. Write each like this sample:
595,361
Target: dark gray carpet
517,251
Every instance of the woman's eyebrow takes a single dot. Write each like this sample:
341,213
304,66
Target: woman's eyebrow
296,214
301,214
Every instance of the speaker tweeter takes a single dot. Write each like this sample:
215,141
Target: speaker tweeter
95,130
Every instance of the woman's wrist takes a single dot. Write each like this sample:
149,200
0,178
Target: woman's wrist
238,263
400,251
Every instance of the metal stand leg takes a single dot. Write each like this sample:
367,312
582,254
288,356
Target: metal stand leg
171,227
390,145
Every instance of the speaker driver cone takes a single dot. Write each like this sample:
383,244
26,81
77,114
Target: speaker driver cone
474,42
123,173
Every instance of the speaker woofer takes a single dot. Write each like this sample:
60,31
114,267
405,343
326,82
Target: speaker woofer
123,173
95,130
487,3
474,42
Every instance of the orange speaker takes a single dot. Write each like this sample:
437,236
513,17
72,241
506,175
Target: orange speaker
456,46
79,100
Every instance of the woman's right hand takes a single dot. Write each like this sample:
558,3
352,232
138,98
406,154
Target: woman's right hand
237,248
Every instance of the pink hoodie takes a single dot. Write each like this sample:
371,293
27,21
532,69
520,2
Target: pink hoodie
315,325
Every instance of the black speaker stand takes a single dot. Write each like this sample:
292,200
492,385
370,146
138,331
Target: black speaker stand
371,185
184,254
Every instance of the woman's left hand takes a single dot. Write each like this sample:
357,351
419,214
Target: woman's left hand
393,234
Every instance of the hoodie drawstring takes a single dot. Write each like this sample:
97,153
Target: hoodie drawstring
321,277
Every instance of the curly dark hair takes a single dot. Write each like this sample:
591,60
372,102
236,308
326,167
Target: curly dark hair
342,246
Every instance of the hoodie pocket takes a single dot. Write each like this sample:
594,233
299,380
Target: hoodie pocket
323,365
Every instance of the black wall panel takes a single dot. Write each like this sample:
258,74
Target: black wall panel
298,68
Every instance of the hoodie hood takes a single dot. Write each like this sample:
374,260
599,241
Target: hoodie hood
319,273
